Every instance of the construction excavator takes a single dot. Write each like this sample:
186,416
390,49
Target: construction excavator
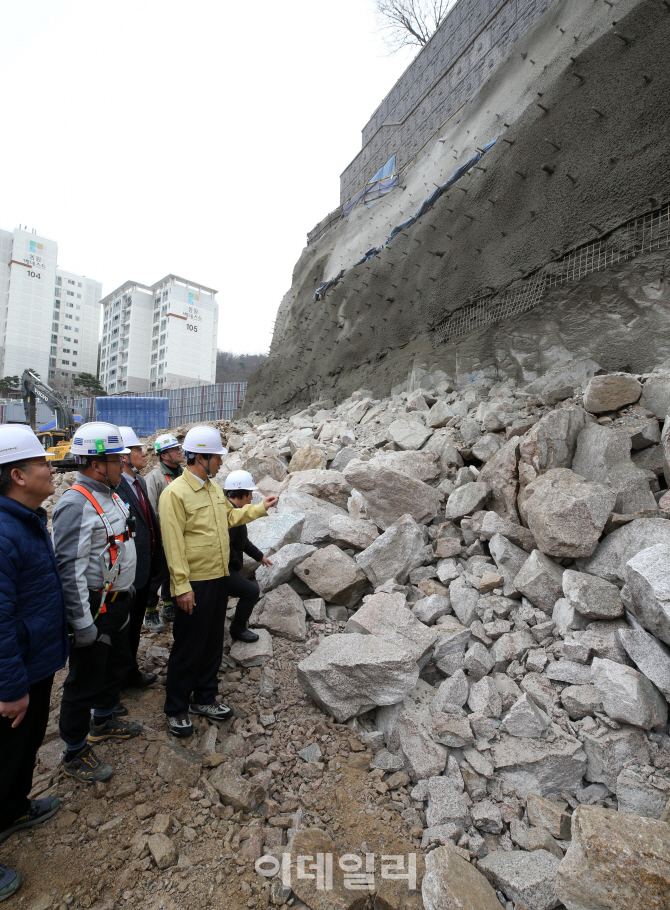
55,436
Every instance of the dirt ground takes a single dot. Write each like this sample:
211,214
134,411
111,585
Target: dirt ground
93,852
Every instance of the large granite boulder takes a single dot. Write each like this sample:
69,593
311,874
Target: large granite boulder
540,579
591,596
500,474
565,513
526,878
327,485
466,499
333,575
408,434
394,554
552,442
274,531
452,883
615,860
648,576
349,674
389,617
418,465
649,655
539,765
627,695
282,613
284,562
611,392
389,494
316,513
603,456
614,551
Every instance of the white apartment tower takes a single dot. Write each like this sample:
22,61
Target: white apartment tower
49,318
158,337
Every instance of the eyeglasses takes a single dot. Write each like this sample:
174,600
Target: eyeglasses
114,460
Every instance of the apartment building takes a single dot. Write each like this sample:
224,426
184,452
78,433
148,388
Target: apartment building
49,317
158,336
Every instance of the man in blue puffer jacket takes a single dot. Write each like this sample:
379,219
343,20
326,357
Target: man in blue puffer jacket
33,631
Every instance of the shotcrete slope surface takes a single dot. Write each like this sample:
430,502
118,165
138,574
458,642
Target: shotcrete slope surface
601,136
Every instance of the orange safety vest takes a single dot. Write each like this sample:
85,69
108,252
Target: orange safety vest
112,539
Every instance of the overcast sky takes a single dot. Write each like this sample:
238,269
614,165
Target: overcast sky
199,138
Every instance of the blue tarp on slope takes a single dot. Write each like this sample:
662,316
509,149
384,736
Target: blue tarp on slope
425,206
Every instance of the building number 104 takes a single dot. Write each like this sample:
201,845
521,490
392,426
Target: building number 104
34,275
191,328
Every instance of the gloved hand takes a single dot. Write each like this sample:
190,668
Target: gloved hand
85,637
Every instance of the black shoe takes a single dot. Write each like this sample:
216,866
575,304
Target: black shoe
40,810
140,680
120,710
87,767
10,882
114,729
244,635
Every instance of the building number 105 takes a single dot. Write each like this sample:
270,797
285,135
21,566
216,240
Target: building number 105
191,328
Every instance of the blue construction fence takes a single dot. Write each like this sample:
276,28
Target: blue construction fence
188,405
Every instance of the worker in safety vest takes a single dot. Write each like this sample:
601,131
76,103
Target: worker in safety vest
151,569
170,455
95,551
195,516
33,632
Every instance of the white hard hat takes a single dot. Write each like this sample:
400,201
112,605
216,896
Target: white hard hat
166,441
17,443
204,441
98,438
239,480
129,437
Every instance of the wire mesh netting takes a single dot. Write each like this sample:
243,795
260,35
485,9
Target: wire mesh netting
644,234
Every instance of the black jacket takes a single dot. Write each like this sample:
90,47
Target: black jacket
149,571
239,545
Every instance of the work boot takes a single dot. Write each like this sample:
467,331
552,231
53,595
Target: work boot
39,811
152,622
120,710
179,724
87,767
140,680
244,635
114,728
213,712
10,882
167,612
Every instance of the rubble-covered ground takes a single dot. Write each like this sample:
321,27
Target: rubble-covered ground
463,655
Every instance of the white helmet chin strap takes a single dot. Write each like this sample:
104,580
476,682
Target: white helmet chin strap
206,467
132,467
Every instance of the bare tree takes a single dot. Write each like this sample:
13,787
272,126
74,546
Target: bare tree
407,22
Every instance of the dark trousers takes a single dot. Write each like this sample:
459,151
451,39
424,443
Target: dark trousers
18,751
97,672
249,594
143,597
197,650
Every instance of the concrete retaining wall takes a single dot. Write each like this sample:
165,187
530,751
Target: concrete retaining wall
471,42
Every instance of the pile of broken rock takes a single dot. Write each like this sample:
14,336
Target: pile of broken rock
498,560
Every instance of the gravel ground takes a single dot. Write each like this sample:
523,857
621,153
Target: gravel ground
93,853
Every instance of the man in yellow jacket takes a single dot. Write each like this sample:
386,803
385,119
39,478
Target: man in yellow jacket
195,516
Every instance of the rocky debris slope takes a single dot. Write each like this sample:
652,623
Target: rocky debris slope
496,559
